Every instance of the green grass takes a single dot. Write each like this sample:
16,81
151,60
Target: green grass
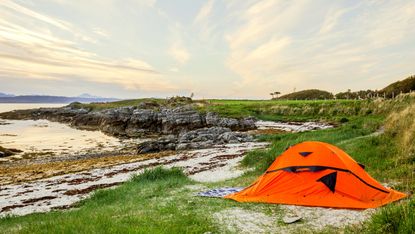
292,110
395,218
117,104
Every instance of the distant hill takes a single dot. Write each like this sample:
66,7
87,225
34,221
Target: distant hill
87,95
309,94
6,95
52,99
403,86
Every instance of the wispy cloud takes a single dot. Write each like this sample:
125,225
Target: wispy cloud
281,45
179,52
204,12
39,53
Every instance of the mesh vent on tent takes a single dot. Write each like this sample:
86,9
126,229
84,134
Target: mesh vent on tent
329,180
305,154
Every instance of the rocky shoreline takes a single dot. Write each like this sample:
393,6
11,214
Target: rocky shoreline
133,121
169,128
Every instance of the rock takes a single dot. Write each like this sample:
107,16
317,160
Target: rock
291,219
203,134
235,137
180,119
161,144
8,152
196,139
114,121
213,119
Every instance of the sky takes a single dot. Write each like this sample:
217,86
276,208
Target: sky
212,48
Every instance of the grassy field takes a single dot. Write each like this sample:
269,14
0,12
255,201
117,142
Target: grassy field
162,201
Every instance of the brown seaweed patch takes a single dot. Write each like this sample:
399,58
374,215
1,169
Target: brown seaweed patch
89,189
33,200
8,208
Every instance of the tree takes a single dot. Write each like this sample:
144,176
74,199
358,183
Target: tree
276,94
272,95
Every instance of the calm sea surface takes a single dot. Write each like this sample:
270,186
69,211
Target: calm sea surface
4,107
40,136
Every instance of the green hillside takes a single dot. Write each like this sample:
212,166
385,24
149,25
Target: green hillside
403,86
309,94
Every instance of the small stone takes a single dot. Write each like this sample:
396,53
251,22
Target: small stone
291,219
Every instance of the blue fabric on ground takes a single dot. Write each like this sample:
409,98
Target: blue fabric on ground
220,192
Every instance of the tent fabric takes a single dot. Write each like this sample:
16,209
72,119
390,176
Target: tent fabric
317,174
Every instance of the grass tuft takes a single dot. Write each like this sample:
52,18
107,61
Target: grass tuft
394,218
159,173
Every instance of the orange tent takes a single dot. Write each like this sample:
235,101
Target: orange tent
317,174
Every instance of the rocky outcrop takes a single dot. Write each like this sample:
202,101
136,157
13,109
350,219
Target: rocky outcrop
195,139
134,121
213,119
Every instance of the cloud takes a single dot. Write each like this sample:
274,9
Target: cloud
279,45
10,5
174,69
179,52
204,12
331,20
100,32
39,53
